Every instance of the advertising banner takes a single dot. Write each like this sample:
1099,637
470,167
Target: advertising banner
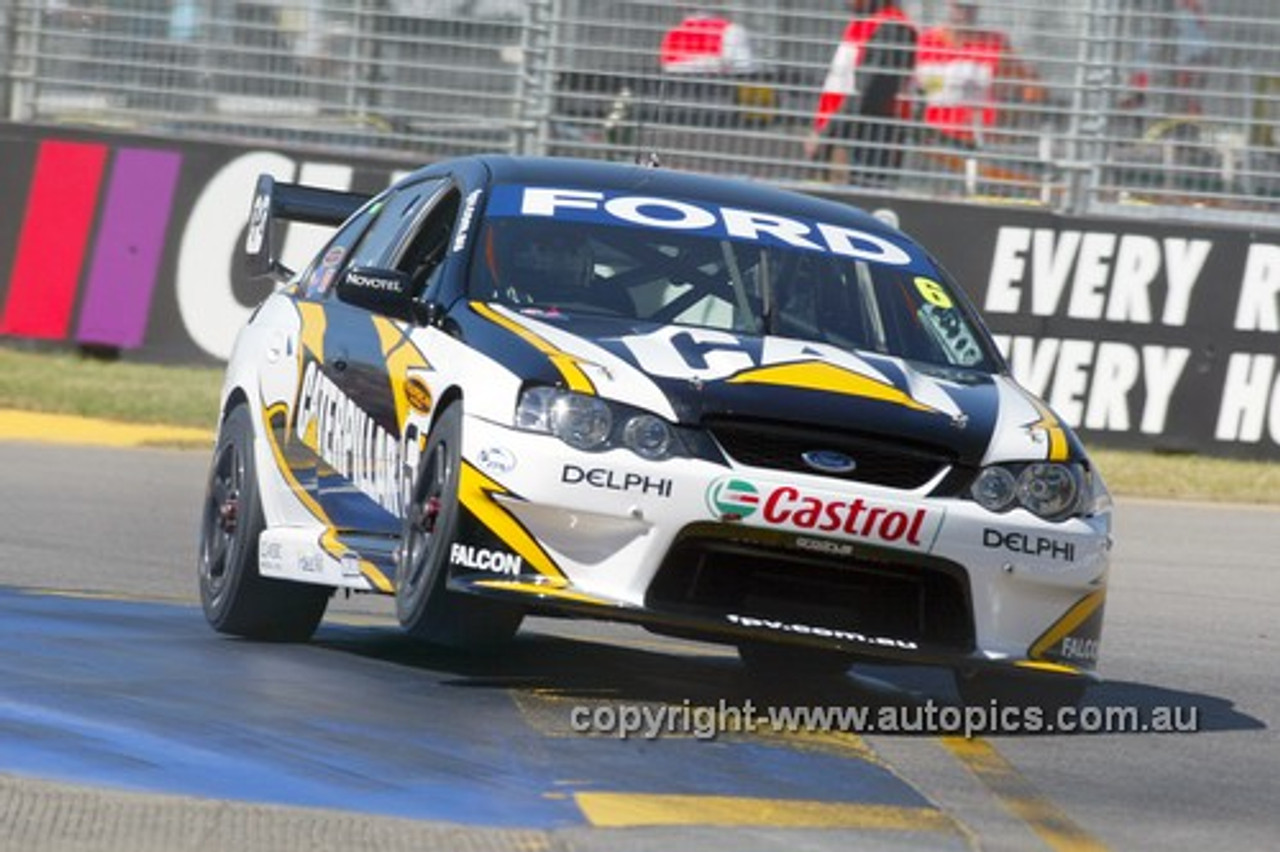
136,243
1142,334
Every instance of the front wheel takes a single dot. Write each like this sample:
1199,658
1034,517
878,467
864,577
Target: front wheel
425,606
236,598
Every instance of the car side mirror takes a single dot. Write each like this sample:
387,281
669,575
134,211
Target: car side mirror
383,291
387,292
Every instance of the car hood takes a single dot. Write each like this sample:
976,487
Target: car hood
697,376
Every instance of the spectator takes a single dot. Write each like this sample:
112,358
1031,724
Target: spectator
82,15
972,79
863,100
72,46
319,36
182,59
704,43
1175,63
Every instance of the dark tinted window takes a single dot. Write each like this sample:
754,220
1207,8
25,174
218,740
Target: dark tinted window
317,280
424,256
386,238
544,265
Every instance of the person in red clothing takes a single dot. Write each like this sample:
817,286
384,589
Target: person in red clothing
971,78
704,43
865,100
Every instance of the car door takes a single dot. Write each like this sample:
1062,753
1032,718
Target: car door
357,384
293,361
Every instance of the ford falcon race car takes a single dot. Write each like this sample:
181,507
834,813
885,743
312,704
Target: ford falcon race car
716,409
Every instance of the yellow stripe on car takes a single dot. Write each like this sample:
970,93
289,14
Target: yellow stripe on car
546,589
311,336
312,324
1052,427
822,376
475,493
401,356
574,378
1043,666
1070,620
329,538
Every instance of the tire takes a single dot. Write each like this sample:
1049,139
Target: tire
236,598
785,663
425,607
1050,692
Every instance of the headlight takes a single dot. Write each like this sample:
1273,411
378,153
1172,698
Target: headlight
1050,490
582,422
995,488
592,424
648,436
533,411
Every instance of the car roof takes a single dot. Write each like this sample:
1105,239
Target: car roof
669,183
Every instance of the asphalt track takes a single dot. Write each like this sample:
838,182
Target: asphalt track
126,724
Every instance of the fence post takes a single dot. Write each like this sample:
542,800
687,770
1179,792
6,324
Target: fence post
7,59
535,78
20,30
364,54
1092,102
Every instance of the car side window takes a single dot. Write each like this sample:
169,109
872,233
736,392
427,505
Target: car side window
317,280
424,256
385,239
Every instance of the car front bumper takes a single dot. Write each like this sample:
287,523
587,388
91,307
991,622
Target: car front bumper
733,553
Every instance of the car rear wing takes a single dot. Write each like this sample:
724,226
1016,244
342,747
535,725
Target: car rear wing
290,202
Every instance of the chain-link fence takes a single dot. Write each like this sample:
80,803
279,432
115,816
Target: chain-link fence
1081,105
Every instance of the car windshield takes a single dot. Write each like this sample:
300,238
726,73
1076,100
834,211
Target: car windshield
549,267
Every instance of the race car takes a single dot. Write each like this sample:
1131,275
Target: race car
717,409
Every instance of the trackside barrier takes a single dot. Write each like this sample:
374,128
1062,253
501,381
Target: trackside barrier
1083,106
1143,334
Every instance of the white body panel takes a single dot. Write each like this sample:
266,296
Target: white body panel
607,519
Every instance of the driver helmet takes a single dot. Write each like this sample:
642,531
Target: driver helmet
548,259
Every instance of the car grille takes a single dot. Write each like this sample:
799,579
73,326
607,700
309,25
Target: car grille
781,447
917,598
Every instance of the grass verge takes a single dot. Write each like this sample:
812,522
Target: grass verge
65,383
1188,477
188,396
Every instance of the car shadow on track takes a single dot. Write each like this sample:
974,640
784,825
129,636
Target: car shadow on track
616,668
1111,707
595,668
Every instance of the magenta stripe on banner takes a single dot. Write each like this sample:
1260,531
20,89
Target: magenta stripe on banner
126,255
